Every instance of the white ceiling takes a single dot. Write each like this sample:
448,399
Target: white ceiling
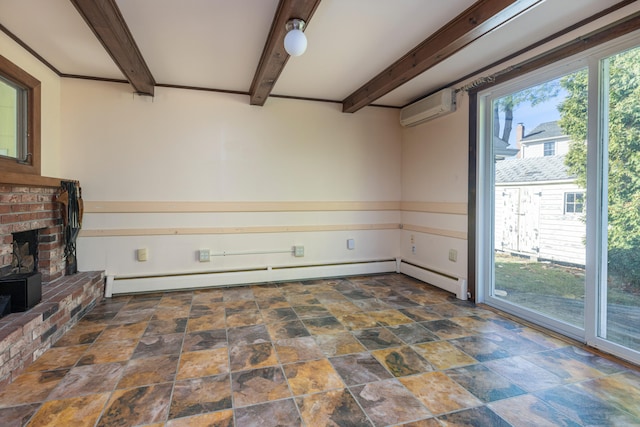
216,44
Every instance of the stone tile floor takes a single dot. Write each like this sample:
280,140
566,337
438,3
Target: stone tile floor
362,351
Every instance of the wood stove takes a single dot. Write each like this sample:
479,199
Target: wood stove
24,290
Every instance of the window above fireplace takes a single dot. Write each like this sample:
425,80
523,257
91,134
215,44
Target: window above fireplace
20,118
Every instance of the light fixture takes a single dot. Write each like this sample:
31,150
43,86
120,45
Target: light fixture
295,42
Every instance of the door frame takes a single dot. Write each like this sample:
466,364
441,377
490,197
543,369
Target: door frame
481,194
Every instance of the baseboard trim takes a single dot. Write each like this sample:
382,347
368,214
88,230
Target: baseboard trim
173,282
456,285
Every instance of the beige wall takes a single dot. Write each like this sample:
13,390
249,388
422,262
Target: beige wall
195,145
434,182
51,149
252,177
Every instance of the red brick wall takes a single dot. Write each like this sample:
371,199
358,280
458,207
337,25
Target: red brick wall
65,299
26,336
30,208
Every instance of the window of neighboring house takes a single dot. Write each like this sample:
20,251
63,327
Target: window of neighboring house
550,148
573,203
19,120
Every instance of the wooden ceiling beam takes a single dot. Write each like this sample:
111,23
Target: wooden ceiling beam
481,18
274,57
106,22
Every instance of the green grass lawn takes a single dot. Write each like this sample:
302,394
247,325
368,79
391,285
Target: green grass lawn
517,275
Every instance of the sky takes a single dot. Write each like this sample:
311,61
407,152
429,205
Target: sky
532,116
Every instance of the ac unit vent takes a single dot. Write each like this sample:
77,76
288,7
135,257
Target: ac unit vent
435,105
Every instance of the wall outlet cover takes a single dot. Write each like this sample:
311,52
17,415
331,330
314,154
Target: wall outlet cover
204,255
298,251
142,254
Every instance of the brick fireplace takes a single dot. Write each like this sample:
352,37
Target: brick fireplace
32,208
24,336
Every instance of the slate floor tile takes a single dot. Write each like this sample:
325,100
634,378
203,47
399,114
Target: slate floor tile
377,338
338,344
197,395
134,406
335,407
383,350
281,413
312,377
389,402
483,383
258,386
439,393
359,368
76,411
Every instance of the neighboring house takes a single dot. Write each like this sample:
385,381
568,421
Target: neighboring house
501,149
547,139
539,209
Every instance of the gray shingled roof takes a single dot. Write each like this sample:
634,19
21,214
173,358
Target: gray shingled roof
544,130
501,148
532,169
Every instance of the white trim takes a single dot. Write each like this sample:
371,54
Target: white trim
108,286
458,286
128,285
521,183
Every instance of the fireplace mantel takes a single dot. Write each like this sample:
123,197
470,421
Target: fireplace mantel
13,178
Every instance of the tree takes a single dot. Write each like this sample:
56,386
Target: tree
623,153
508,104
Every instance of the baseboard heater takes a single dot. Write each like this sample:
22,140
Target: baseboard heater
172,282
452,284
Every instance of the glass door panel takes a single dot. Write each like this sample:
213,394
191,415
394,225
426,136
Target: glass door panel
539,225
620,293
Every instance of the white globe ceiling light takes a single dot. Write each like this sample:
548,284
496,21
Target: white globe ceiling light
295,42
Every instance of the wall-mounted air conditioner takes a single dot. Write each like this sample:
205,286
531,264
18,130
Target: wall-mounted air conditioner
435,105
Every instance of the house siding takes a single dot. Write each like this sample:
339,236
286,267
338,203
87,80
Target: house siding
552,235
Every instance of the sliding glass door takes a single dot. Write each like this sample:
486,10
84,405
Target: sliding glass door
559,198
619,296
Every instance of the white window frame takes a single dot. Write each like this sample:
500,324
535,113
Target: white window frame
552,149
573,203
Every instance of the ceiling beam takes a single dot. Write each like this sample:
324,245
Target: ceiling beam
481,18
274,57
106,22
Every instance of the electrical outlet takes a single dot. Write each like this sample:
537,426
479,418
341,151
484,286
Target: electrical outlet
298,251
453,255
413,249
142,254
204,255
